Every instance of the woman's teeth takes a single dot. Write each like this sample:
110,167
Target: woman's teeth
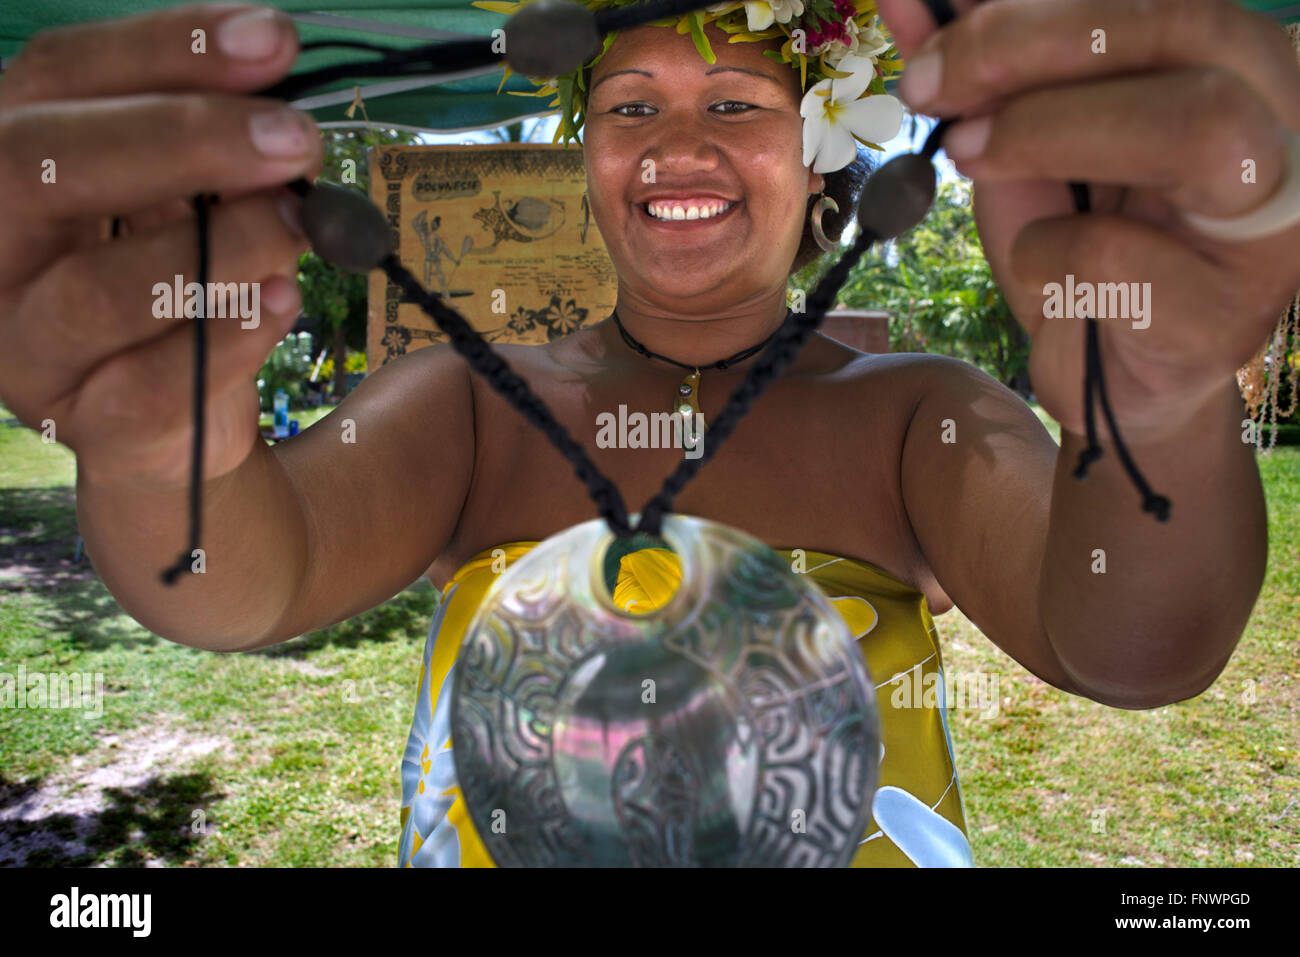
680,210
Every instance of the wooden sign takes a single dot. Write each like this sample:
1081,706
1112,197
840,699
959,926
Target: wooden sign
502,233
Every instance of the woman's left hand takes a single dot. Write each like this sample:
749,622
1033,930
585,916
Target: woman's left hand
1188,99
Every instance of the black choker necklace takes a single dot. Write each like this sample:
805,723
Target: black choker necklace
686,400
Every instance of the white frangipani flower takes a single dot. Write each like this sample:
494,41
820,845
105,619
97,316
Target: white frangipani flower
787,10
871,41
759,15
833,115
834,50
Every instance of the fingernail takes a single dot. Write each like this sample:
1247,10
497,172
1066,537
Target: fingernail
967,139
278,133
254,35
920,82
290,208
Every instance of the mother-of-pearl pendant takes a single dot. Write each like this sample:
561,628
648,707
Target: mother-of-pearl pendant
734,726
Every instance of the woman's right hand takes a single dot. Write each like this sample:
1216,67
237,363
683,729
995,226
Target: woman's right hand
127,119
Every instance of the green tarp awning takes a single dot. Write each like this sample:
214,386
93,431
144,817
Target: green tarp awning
466,103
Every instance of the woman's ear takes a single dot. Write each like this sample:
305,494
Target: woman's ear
816,183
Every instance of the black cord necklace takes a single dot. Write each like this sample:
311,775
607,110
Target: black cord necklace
552,39
726,363
686,399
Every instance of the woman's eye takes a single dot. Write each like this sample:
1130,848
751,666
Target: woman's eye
727,107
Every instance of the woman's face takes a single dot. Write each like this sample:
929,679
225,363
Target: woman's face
664,125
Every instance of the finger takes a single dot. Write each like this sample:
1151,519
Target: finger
1011,46
1179,312
150,388
96,302
68,161
1185,133
142,410
220,47
1189,337
910,22
172,211
99,157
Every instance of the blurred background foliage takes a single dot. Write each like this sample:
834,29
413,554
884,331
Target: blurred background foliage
939,291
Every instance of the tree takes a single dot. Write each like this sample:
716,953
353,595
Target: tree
940,290
334,298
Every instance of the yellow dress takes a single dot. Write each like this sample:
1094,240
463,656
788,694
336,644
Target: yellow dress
917,814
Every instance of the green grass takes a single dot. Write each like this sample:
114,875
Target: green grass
305,417
310,732
295,750
1056,780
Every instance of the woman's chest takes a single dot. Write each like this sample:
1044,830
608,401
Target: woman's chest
811,465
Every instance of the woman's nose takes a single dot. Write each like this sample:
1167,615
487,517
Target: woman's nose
683,145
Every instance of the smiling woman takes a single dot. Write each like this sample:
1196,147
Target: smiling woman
897,485
767,110
696,178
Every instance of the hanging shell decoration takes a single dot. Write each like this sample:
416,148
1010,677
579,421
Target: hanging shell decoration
735,726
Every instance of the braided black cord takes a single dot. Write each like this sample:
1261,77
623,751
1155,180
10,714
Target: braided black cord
789,339
1095,382
185,561
1157,505
516,391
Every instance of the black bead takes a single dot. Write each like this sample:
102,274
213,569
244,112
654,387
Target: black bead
550,38
345,228
897,196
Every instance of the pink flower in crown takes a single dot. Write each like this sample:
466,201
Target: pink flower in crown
834,33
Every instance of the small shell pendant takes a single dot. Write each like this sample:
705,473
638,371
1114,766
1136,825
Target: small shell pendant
686,403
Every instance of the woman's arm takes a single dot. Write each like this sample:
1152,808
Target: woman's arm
1019,544
1145,613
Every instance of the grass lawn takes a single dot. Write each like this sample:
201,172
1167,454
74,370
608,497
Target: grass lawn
290,756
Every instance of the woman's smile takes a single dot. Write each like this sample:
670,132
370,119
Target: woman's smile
675,215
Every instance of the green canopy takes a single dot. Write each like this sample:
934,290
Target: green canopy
452,105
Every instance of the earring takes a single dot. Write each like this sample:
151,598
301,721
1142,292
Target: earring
819,209
586,215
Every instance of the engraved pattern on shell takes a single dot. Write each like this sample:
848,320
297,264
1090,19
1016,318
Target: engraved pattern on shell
736,726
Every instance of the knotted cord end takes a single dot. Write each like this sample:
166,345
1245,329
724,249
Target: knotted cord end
1089,455
183,564
1158,505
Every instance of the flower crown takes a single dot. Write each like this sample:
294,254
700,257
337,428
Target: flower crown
840,48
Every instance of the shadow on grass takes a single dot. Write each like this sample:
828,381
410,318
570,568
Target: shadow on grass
406,614
91,617
152,822
38,538
38,534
